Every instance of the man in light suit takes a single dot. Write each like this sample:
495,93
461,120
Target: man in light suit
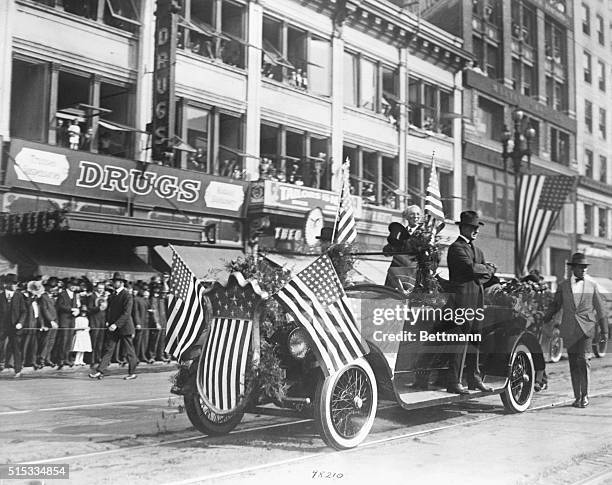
583,308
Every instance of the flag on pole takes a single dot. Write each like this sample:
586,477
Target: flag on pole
540,200
345,227
316,300
185,308
433,200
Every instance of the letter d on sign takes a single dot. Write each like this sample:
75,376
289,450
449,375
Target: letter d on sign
90,176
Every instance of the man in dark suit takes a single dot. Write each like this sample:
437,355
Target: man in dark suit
120,328
402,268
67,307
467,272
47,322
581,302
97,305
13,315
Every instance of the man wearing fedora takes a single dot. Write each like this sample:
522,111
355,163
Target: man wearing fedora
583,308
467,272
67,306
120,328
13,315
402,267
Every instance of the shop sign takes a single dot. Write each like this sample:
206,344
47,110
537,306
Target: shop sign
163,77
287,234
295,197
56,170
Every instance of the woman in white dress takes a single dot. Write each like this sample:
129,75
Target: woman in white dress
82,340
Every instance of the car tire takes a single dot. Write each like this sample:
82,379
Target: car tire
519,390
205,420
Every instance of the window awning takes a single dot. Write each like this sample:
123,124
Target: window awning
112,125
201,28
206,263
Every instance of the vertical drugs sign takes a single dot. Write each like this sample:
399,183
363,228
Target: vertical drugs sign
163,77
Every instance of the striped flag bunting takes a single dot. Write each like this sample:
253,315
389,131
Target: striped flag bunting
345,228
433,200
225,362
315,299
540,200
185,308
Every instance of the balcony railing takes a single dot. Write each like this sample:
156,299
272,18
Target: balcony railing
312,172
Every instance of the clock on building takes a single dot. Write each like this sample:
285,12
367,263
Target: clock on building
313,225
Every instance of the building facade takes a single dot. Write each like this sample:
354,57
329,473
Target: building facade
215,121
524,60
593,34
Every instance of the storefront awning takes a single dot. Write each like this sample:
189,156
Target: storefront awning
206,263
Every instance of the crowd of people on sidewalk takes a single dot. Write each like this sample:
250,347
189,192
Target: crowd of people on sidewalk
57,323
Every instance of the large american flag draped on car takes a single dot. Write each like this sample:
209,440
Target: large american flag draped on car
185,308
345,228
225,353
316,300
541,198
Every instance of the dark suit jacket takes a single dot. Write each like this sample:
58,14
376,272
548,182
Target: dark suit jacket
14,312
140,312
580,312
402,265
97,316
119,312
64,306
46,311
466,269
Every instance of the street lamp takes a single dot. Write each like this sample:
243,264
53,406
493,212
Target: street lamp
516,151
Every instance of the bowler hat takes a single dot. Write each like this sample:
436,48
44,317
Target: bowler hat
578,259
469,218
118,275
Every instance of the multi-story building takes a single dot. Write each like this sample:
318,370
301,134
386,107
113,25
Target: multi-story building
593,44
524,60
129,130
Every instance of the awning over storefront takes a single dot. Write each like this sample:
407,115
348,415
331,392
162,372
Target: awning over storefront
207,263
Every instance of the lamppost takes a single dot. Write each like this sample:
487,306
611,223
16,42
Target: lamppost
516,146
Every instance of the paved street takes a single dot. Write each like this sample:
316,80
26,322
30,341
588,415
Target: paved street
133,432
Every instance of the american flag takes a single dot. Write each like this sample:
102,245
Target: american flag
186,308
345,229
541,198
433,201
315,299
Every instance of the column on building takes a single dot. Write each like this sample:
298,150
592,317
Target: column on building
457,192
7,13
403,121
337,106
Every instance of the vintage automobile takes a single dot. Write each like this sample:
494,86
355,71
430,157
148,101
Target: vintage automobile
343,403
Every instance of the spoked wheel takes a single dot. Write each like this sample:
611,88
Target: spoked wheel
345,405
206,421
519,390
556,347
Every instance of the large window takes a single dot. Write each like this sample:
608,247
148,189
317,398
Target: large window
222,155
600,30
559,146
603,169
603,222
588,67
121,14
430,107
603,125
555,46
588,163
555,94
296,57
486,53
490,119
601,75
351,76
490,191
588,219
215,29
586,19
588,115
374,176
293,156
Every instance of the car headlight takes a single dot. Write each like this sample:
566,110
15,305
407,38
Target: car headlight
298,343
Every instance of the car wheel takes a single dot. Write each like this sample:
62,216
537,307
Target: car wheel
519,390
345,405
205,420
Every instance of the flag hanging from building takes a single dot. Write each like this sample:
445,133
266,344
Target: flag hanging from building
433,200
316,300
540,200
345,229
185,308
